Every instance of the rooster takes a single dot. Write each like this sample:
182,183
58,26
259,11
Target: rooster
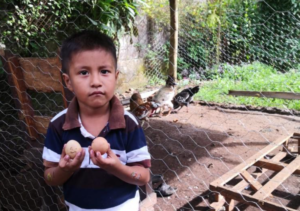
184,98
165,95
140,109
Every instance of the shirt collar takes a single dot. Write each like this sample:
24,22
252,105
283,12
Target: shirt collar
116,117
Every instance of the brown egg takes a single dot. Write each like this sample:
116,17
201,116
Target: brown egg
72,148
100,144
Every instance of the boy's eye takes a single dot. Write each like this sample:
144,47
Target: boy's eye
83,72
105,71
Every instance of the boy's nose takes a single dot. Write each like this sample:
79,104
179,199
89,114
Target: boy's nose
96,81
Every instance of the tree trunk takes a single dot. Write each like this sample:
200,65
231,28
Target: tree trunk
218,49
173,38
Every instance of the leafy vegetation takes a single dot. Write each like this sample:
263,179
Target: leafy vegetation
233,31
252,77
266,31
36,28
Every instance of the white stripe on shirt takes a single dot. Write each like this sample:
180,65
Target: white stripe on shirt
137,155
131,204
50,155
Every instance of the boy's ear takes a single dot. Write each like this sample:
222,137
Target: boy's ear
117,74
67,81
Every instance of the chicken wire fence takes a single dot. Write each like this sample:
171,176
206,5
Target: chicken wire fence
189,150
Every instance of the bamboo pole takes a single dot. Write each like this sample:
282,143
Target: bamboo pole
173,38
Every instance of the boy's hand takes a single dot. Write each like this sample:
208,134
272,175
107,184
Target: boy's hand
109,164
68,164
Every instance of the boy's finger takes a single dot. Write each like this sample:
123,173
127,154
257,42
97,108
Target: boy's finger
77,160
92,155
80,156
77,157
82,153
63,152
110,153
66,158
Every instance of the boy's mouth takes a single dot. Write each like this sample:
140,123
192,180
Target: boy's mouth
97,93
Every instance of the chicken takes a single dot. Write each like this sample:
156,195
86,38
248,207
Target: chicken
184,98
164,190
140,109
165,95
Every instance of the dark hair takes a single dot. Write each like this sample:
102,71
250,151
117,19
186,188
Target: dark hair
82,41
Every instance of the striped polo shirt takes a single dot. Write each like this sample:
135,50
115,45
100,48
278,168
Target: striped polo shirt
90,187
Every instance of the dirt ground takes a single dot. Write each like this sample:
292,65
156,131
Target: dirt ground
192,149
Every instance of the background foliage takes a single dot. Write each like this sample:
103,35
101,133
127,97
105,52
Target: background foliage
234,31
252,77
37,27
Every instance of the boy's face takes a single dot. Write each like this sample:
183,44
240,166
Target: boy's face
92,77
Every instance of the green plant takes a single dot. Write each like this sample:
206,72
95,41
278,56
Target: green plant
36,28
252,77
234,32
279,43
158,10
156,81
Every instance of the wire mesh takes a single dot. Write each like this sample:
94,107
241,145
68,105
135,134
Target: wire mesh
222,39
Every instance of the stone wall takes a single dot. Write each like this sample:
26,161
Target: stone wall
131,58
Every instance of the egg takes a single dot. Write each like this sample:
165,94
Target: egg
72,147
100,144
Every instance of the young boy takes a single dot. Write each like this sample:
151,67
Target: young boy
92,181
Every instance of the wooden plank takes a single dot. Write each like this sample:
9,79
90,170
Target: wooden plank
274,166
279,95
229,204
296,134
250,161
42,123
268,188
299,146
42,74
240,186
20,87
279,156
251,180
243,184
215,206
37,74
248,199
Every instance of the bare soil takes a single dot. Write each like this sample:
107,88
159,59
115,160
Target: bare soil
192,149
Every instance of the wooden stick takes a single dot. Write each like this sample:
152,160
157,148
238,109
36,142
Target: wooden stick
251,180
279,95
272,165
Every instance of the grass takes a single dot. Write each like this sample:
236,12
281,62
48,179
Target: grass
251,77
